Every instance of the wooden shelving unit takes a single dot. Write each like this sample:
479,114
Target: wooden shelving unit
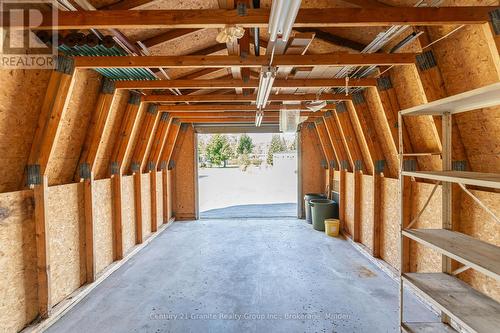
459,303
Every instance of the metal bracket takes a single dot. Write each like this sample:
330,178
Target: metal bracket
495,20
108,86
164,116
459,165
384,83
310,125
380,166
33,176
358,98
327,114
176,122
426,60
184,127
171,164
134,99
151,166
341,108
344,164
409,165
65,65
163,165
358,165
114,168
152,108
84,171
242,9
318,121
324,164
135,167
333,164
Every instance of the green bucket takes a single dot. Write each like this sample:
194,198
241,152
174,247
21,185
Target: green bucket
321,209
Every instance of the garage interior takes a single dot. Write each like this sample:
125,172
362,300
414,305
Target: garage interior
396,108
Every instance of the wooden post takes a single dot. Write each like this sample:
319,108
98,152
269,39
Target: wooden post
42,247
117,216
138,205
342,194
88,184
356,236
154,209
166,197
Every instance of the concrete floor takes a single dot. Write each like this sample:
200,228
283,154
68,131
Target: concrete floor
244,275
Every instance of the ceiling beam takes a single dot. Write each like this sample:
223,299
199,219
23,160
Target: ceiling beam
367,3
220,18
230,83
240,114
229,107
331,59
250,120
241,98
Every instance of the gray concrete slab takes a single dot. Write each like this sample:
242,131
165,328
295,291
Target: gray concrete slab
276,210
244,275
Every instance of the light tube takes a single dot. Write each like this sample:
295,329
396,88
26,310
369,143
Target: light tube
282,17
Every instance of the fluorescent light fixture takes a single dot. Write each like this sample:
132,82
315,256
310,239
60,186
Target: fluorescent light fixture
283,14
258,117
267,76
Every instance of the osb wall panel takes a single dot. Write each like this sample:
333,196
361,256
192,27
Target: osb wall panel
185,177
110,134
21,98
311,171
349,203
466,63
18,275
423,258
389,221
66,228
383,131
366,210
103,224
159,198
73,126
479,224
422,131
146,205
128,213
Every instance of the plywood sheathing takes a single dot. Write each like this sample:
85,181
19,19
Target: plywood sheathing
383,129
478,224
128,213
389,221
159,198
110,134
146,205
310,156
422,131
185,180
66,239
103,224
21,98
366,211
423,258
349,204
73,126
18,273
466,63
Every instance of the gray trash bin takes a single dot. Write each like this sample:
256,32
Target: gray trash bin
307,208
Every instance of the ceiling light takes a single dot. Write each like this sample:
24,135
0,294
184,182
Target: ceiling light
267,76
283,14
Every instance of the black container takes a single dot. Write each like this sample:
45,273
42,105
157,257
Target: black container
307,208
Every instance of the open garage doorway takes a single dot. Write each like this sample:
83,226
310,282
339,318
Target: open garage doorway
247,175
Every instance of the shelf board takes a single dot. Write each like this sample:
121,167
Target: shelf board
491,180
427,328
479,255
468,307
483,97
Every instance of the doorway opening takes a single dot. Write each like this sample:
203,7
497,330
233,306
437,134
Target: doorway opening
244,175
